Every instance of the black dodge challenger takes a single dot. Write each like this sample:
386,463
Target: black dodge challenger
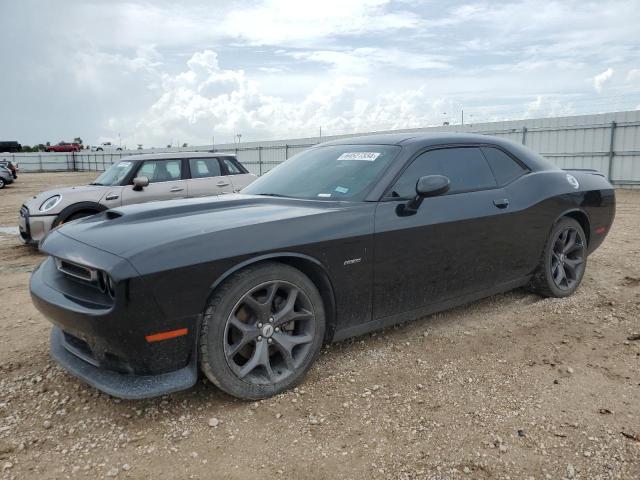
344,238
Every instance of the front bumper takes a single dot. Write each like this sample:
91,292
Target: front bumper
126,386
103,341
34,228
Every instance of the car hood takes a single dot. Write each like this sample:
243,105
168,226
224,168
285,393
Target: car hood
70,195
231,225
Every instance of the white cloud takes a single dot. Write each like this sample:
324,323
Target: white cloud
206,99
294,22
602,78
633,75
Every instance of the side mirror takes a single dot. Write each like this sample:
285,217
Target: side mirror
140,182
429,186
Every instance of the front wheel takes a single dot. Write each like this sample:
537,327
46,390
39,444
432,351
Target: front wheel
2,183
262,331
564,260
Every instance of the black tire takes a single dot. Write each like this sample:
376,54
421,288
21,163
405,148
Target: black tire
244,300
564,260
2,183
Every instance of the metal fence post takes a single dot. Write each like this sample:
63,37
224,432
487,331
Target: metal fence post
286,151
524,135
40,162
611,150
260,159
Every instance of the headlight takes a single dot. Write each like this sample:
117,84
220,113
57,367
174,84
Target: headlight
50,203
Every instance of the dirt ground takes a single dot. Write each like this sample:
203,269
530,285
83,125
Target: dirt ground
514,386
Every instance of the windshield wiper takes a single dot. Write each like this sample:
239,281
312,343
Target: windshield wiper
273,195
96,183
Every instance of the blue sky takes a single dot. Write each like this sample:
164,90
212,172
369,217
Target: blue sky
160,72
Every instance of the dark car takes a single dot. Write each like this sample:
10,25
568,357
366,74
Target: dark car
9,165
344,238
6,176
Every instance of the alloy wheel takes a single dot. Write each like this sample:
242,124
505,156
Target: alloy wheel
567,258
269,333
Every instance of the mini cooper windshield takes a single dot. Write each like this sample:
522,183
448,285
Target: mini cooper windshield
114,174
337,172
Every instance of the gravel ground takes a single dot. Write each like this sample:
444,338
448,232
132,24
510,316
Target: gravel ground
514,386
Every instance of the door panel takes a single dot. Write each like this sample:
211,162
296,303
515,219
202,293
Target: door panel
202,187
207,178
450,247
165,182
155,191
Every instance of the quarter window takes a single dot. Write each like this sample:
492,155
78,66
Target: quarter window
231,167
204,167
505,168
161,170
465,167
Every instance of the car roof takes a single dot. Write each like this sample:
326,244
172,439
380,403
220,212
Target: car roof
417,141
171,155
435,138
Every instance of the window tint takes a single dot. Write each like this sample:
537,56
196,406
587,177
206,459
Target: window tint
466,168
161,170
231,167
204,167
504,167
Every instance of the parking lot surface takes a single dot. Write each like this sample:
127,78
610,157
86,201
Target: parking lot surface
513,386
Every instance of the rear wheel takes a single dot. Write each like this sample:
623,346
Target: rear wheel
2,183
564,260
262,330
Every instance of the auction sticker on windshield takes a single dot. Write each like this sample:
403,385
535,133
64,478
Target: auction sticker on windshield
366,156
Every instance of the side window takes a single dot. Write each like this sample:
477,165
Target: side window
204,167
505,168
466,168
161,170
231,167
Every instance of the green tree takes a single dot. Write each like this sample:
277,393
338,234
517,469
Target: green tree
77,140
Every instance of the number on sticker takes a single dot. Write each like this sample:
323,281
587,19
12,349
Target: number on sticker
366,156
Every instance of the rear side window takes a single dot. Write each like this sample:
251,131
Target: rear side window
161,170
505,168
465,167
204,167
231,167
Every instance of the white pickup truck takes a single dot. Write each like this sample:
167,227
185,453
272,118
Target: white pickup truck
105,147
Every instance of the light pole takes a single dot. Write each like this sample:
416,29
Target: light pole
239,138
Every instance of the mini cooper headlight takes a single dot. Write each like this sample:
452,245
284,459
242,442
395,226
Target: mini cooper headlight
50,203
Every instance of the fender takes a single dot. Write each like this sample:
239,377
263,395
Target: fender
268,256
77,207
331,313
568,213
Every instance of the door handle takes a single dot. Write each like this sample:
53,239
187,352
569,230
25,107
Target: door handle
501,202
176,189
222,183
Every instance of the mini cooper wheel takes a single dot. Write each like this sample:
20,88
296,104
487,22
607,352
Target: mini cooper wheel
261,331
564,260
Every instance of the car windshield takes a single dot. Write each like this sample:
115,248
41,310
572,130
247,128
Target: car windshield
335,172
114,174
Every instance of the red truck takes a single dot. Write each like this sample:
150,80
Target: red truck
64,147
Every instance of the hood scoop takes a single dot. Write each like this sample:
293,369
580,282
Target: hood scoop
113,214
